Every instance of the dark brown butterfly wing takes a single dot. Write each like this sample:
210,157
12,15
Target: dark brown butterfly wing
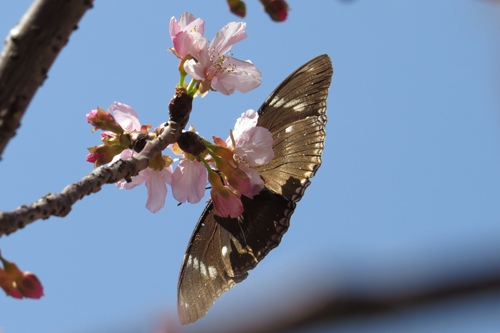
295,113
222,250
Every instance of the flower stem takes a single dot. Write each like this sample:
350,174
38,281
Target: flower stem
191,90
181,82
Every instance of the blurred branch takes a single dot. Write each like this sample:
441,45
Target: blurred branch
332,307
60,204
29,51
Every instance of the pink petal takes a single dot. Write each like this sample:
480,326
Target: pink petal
126,116
244,77
91,114
180,31
256,182
175,27
227,203
195,69
185,19
157,190
30,286
246,121
135,181
246,67
188,181
166,175
122,183
11,291
178,41
197,46
92,157
197,25
256,145
229,35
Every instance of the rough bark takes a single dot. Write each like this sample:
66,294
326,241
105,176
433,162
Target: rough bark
30,49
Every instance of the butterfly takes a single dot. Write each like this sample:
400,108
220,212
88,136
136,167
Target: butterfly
222,250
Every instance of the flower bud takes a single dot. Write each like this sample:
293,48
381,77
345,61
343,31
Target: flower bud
8,285
103,120
277,9
237,7
18,284
226,202
103,154
191,143
235,177
30,286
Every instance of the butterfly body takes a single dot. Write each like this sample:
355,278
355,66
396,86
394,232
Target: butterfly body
222,250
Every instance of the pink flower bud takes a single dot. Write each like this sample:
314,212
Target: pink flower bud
237,7
30,286
8,285
236,177
18,284
103,154
92,158
226,202
103,120
277,9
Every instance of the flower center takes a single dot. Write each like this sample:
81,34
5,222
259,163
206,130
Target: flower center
219,65
211,73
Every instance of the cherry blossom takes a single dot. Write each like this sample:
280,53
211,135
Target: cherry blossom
213,68
180,30
251,142
253,146
156,180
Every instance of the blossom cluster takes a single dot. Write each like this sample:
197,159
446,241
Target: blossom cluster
248,146
208,62
229,164
19,284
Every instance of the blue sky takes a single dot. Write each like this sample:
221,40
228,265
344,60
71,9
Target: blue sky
407,195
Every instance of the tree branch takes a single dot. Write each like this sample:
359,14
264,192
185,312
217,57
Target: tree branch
30,49
60,204
325,307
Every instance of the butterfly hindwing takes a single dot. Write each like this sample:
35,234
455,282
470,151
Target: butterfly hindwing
222,250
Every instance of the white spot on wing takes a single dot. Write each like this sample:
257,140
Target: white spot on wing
212,272
190,261
299,107
277,101
195,263
203,270
224,251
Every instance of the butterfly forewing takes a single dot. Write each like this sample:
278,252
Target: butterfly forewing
222,250
295,113
302,94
